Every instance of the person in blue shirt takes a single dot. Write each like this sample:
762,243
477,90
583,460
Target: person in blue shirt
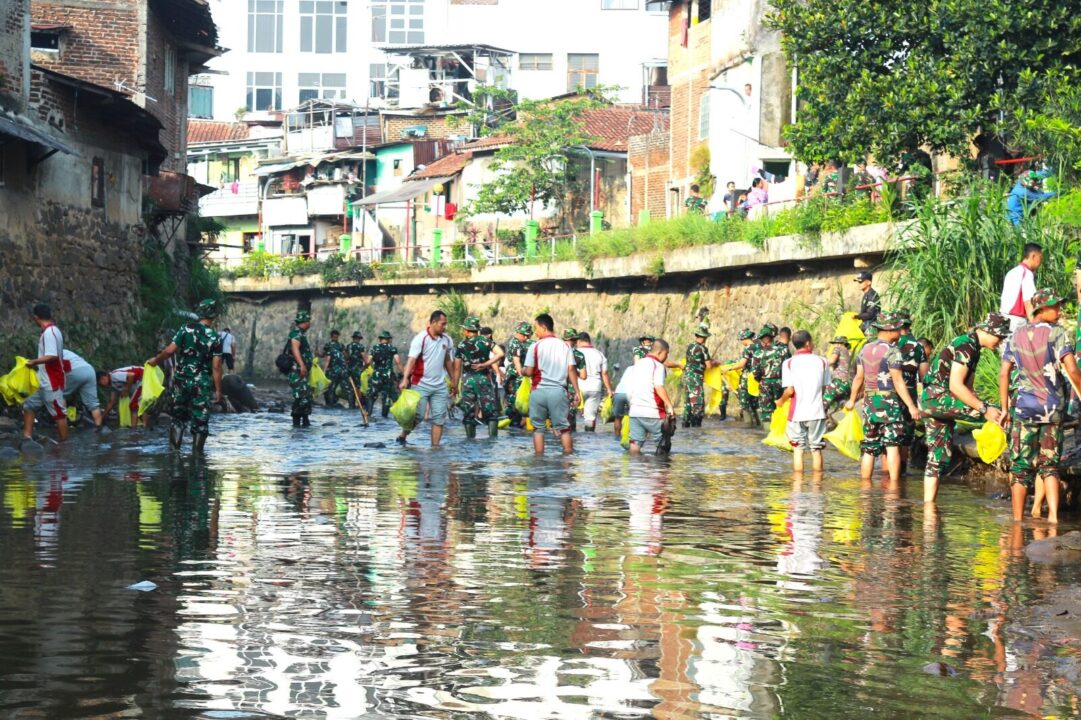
1026,194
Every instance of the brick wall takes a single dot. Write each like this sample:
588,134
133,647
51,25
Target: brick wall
439,127
688,74
103,45
171,108
14,40
649,170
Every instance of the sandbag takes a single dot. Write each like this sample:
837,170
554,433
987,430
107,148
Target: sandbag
752,386
605,411
990,441
124,411
521,397
19,384
778,424
153,387
317,379
404,409
848,434
365,379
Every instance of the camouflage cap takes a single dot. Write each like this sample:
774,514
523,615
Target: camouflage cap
471,323
570,334
646,338
357,335
888,321
702,331
1044,298
839,340
385,335
768,330
997,324
303,316
905,314
207,309
746,334
524,328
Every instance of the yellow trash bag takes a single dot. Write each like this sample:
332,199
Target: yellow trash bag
529,425
73,413
124,410
848,434
365,379
990,441
713,401
504,423
318,379
851,328
625,435
731,379
404,409
19,384
521,398
714,378
752,386
778,423
153,387
605,412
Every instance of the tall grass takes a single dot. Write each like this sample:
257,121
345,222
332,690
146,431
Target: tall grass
453,304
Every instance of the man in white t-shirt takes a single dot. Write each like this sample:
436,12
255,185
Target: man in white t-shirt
228,349
430,364
50,368
649,401
126,384
80,379
596,382
550,365
804,378
1020,285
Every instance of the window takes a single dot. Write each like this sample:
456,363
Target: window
170,69
704,9
582,71
398,22
97,182
265,26
45,40
323,26
703,116
322,85
200,101
264,91
230,170
535,61
619,4
251,241
377,74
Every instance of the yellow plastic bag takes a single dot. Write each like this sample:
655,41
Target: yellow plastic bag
73,413
625,435
504,423
778,423
713,401
124,410
19,384
404,409
365,379
318,379
852,329
752,386
521,398
731,379
606,411
848,434
153,387
714,378
990,441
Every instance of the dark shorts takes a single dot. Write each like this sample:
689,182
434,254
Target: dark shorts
227,360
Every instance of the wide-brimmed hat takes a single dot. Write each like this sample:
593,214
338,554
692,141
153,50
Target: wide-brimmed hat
207,309
888,321
746,334
385,335
570,334
303,316
1044,298
997,324
523,328
472,324
839,340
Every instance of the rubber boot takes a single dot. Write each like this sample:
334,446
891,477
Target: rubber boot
686,422
305,421
471,431
198,442
296,421
493,428
176,436
724,412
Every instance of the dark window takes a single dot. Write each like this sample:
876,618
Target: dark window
45,40
264,91
250,241
705,9
97,182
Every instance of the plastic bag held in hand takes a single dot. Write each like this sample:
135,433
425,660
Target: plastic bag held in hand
848,435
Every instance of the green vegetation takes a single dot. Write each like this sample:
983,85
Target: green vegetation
454,305
335,268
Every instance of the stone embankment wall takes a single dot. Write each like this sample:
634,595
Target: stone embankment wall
788,283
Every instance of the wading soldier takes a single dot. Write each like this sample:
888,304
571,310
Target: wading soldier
356,359
301,350
386,370
885,398
336,368
914,365
198,370
1040,354
748,404
948,395
570,336
694,382
768,363
516,352
840,360
473,362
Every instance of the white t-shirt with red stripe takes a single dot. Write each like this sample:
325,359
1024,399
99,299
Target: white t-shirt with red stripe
119,378
643,379
51,342
551,359
808,375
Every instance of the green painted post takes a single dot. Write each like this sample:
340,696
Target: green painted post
532,230
643,217
596,222
345,242
437,248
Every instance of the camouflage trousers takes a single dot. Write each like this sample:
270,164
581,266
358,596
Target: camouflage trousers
339,382
510,390
885,423
572,408
748,403
769,391
191,403
694,396
302,394
478,393
836,394
941,413
384,385
1035,450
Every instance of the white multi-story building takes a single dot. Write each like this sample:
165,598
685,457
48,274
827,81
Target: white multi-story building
283,52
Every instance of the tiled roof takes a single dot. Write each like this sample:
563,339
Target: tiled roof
203,131
445,166
611,127
490,142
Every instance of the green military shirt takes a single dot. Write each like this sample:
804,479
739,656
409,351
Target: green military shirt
197,346
383,358
697,357
305,347
354,355
474,350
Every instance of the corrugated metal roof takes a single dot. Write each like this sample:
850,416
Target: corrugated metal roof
407,191
16,128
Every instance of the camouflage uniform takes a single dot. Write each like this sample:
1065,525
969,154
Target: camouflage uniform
193,380
747,402
477,389
912,355
768,373
940,408
302,391
1039,396
354,358
885,426
384,381
572,397
337,369
840,387
515,349
694,402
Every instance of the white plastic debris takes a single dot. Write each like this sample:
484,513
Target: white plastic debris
144,586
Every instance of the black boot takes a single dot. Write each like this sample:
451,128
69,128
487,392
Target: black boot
305,421
724,412
198,442
296,421
470,431
176,436
493,428
686,422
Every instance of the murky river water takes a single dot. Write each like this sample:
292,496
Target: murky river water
301,575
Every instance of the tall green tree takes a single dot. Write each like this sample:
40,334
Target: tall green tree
888,77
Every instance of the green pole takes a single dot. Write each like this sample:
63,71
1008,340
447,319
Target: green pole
596,222
437,248
643,217
344,243
532,230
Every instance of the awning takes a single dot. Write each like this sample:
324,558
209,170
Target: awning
29,134
277,168
409,190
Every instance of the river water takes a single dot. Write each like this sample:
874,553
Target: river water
299,574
